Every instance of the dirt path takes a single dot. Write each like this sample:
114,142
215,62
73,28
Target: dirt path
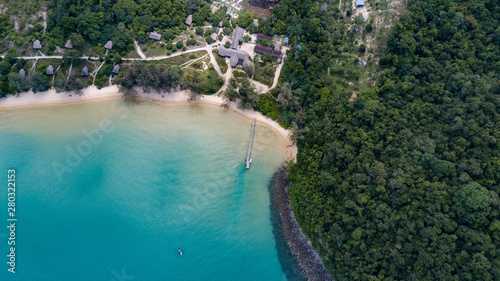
227,78
69,72
94,74
138,50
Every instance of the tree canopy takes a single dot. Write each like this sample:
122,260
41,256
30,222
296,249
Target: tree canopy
402,182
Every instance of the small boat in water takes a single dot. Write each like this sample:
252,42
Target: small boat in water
251,159
180,252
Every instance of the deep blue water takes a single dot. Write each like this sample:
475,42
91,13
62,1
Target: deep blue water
110,191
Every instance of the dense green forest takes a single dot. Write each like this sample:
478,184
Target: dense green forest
122,20
402,183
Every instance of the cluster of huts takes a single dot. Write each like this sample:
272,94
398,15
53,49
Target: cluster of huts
240,57
69,45
260,49
85,70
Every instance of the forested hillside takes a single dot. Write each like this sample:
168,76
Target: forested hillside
121,20
402,183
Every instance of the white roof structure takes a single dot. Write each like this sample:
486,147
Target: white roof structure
155,36
49,70
37,45
116,69
85,71
189,20
109,45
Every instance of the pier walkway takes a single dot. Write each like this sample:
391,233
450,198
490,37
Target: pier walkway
247,161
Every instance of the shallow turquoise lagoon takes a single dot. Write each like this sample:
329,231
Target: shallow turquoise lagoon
110,190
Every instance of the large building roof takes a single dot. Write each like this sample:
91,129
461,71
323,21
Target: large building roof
155,36
235,56
261,36
237,37
263,50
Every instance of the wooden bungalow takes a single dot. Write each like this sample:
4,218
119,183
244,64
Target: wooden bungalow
49,70
69,44
109,45
37,45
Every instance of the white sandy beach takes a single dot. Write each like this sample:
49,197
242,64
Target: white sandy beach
30,99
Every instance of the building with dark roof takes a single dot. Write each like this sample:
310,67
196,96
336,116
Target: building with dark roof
263,49
237,37
116,69
69,44
85,71
262,36
155,36
235,56
189,20
49,70
264,4
277,53
37,45
109,45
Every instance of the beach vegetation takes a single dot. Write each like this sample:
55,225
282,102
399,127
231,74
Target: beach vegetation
148,77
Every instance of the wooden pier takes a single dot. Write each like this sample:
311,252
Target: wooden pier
247,162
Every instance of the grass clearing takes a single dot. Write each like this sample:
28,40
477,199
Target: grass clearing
221,61
180,59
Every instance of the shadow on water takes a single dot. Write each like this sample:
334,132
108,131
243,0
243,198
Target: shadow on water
239,188
289,262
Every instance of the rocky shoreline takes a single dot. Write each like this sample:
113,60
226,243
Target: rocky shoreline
298,259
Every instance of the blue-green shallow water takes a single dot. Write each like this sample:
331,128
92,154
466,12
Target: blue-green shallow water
118,204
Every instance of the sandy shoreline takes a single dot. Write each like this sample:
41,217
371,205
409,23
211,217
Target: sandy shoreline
89,94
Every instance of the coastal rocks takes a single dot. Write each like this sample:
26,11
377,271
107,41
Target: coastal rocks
298,259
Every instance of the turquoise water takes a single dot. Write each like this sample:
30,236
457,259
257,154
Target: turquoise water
110,190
